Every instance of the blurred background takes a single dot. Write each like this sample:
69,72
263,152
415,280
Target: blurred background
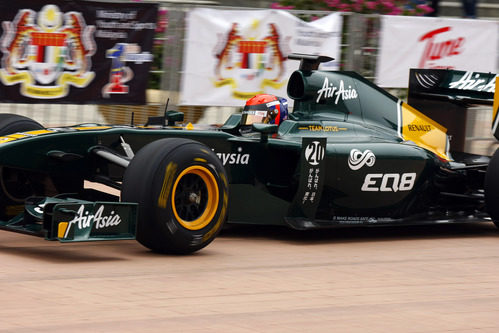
360,40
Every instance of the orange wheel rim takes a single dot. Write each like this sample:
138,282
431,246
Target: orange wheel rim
195,197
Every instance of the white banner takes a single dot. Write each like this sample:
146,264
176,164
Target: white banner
425,42
232,55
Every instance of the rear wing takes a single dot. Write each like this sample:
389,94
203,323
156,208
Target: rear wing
444,95
459,87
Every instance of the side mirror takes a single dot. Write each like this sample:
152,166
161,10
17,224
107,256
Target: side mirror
232,124
173,116
170,117
265,130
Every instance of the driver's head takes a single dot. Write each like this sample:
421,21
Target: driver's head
265,109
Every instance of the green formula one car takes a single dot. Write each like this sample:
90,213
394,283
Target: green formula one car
349,154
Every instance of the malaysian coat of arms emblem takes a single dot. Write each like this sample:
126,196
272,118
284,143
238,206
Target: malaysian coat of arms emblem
46,52
249,62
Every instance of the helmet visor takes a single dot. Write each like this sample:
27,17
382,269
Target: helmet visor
253,114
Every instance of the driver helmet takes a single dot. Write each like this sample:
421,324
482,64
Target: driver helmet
265,109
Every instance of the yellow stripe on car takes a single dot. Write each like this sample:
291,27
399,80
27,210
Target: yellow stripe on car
424,131
61,229
89,128
22,135
495,106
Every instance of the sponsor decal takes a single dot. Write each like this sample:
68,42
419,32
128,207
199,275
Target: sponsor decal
388,182
427,80
419,128
473,81
39,208
256,113
46,52
358,159
320,128
110,220
354,219
328,90
234,158
438,47
83,219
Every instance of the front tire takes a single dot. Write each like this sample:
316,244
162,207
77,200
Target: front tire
13,123
182,191
15,185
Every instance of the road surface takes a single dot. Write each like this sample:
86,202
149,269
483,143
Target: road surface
442,278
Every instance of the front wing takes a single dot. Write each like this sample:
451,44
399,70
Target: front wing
74,220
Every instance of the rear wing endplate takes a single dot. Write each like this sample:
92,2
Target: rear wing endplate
495,107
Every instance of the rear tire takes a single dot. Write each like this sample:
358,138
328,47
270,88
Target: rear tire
182,192
492,188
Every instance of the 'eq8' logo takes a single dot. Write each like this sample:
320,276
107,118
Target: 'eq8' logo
314,153
389,182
